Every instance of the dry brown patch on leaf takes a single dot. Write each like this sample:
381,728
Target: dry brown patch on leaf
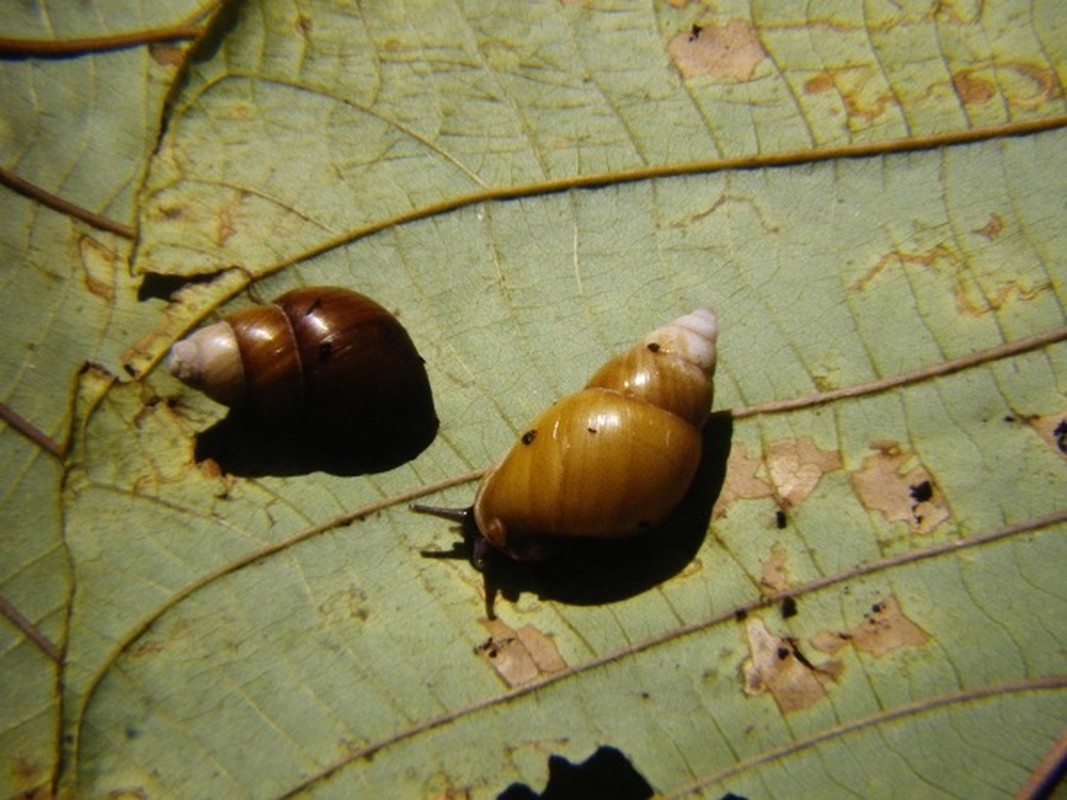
884,628
788,471
519,656
893,484
972,88
862,89
1034,86
817,84
742,481
1053,430
168,54
773,574
728,53
777,665
796,466
98,263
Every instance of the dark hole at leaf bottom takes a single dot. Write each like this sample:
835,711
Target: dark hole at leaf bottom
605,775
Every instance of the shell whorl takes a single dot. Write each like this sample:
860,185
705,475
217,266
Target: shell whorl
670,368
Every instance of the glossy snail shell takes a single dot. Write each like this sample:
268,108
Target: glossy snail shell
326,360
611,460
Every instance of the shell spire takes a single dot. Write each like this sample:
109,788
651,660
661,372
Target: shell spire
671,368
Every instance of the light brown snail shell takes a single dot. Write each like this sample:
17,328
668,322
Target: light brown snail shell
611,460
326,361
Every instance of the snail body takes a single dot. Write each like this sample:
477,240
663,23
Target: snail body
609,461
326,361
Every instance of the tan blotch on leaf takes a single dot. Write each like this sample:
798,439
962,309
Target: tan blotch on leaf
901,490
519,656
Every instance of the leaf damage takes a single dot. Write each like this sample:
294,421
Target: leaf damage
519,656
788,471
976,294
774,576
893,484
1052,429
884,628
776,664
729,53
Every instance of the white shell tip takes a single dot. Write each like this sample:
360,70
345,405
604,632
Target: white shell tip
210,360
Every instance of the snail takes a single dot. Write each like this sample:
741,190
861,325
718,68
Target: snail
324,362
609,461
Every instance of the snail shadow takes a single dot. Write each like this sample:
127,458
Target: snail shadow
251,449
594,572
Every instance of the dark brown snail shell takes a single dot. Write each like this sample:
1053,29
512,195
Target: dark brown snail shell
324,363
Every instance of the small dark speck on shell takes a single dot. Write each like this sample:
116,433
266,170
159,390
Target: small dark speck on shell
325,352
529,436
653,347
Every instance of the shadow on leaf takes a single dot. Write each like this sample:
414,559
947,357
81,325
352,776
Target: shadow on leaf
249,448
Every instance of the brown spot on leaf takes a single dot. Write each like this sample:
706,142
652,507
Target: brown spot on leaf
98,263
776,665
227,221
773,575
1053,430
884,628
168,54
789,471
1034,85
796,466
210,468
823,82
972,88
862,89
992,228
519,656
728,53
743,481
892,483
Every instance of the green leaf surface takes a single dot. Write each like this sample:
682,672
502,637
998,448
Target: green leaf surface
870,196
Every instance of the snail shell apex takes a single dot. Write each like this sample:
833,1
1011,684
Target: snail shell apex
210,360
